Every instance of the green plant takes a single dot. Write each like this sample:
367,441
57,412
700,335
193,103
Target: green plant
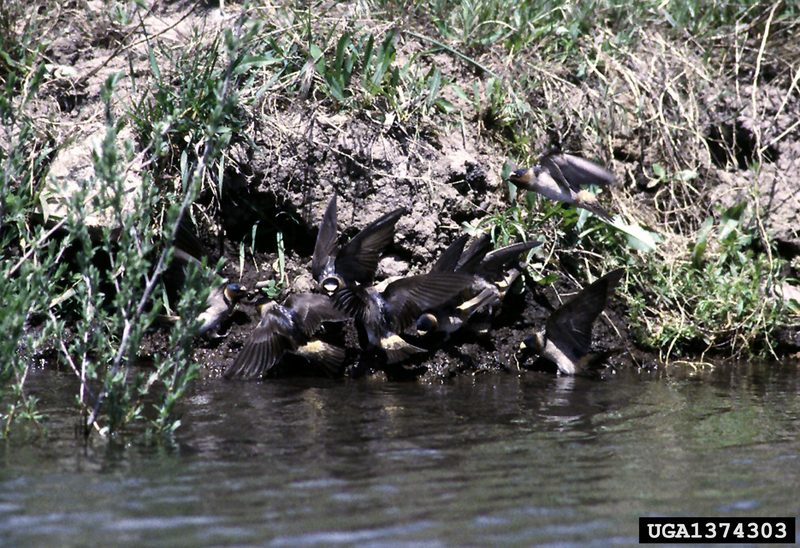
275,286
716,296
113,302
171,117
30,255
94,310
372,61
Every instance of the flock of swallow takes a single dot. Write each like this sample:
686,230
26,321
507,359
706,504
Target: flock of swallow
464,289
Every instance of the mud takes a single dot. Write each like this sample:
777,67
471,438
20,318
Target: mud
284,182
770,141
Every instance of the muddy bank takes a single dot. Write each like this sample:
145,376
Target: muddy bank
296,150
443,182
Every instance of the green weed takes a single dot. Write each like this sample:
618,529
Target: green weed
29,254
93,310
718,296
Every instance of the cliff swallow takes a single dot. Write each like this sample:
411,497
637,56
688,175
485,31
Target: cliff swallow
490,283
567,337
382,313
560,177
219,306
356,261
288,327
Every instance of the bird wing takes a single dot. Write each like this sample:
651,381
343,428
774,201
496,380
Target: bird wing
352,300
448,260
358,259
325,246
573,171
329,356
264,348
492,265
310,310
474,254
570,326
407,298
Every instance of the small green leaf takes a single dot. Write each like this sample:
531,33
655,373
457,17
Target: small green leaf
367,58
153,64
460,93
731,219
548,279
445,106
255,61
316,53
637,237
512,192
700,245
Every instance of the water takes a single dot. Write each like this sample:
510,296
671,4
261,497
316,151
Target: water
486,460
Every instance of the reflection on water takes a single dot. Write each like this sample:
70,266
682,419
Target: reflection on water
475,460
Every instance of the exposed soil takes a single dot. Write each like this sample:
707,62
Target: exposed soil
442,181
777,182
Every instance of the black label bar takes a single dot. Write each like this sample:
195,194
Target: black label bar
732,530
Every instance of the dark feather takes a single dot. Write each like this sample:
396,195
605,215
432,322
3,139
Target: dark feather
282,328
263,349
358,259
492,265
329,356
474,254
408,297
570,326
355,301
351,300
325,247
311,309
448,260
598,210
574,171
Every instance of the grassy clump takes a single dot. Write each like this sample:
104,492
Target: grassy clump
717,293
345,66
84,295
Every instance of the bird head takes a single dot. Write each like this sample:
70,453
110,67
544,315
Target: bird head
331,284
522,177
427,323
533,344
234,292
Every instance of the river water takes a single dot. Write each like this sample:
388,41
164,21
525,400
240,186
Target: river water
485,460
